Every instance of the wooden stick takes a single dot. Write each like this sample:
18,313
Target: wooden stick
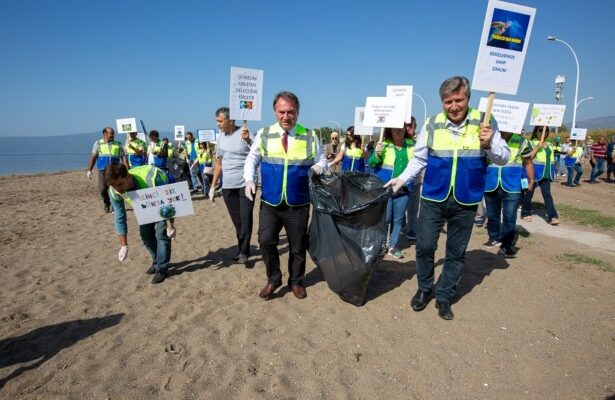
542,136
489,107
381,135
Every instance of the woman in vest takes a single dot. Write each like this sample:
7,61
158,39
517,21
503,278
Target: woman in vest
203,158
544,173
351,153
573,161
388,161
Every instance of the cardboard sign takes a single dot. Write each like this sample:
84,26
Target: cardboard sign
179,132
385,112
359,128
547,114
206,135
246,94
405,92
147,203
126,125
510,115
503,45
578,133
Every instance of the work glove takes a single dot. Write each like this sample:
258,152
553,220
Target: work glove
89,174
250,190
395,184
123,253
318,170
211,194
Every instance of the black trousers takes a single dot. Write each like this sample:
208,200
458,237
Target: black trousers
295,222
240,209
103,188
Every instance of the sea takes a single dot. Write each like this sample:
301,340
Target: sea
12,164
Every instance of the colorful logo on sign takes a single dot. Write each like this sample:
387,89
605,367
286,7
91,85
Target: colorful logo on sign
508,30
245,105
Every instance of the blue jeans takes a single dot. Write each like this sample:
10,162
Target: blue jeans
459,220
396,214
500,202
545,189
157,243
598,169
194,176
577,179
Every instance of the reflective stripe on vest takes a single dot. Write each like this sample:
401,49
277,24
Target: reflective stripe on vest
160,162
508,176
457,166
353,160
541,170
285,174
191,149
385,170
108,153
135,160
569,161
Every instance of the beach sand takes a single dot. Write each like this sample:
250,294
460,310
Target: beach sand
78,324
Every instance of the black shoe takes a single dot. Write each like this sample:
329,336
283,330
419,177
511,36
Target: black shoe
491,243
420,300
242,258
508,252
107,208
159,276
444,310
151,269
236,258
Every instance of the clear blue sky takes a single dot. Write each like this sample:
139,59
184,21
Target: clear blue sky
74,66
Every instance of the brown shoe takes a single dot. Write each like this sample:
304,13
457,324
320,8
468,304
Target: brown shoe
527,218
298,291
554,221
268,291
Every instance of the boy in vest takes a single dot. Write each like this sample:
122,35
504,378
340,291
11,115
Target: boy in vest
104,152
453,148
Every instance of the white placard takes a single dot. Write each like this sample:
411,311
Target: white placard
359,128
246,94
578,133
510,115
385,112
206,135
126,125
147,203
180,132
503,45
402,91
547,114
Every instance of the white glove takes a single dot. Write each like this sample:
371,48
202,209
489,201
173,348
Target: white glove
250,190
212,193
89,174
123,253
171,233
318,170
395,184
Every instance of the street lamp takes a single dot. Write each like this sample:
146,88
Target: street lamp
576,90
424,105
583,99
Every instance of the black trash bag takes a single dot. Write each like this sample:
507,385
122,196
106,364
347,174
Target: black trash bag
177,169
347,230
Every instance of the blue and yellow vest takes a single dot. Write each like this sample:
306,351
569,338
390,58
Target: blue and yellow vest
508,176
160,162
385,170
575,158
135,160
541,170
145,176
204,160
192,149
353,159
285,174
454,166
108,153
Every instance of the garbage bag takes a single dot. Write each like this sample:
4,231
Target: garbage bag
177,169
347,230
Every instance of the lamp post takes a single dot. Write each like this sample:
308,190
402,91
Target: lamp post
584,99
576,90
424,105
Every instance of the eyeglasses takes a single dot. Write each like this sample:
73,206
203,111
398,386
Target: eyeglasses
334,138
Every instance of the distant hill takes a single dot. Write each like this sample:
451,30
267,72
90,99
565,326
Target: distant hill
65,144
597,123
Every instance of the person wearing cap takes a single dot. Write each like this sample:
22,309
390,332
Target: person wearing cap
286,153
136,151
104,152
453,148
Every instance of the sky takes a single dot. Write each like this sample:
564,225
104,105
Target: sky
74,66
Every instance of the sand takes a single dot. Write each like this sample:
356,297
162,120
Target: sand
77,324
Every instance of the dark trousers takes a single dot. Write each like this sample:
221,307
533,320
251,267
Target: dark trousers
545,189
157,243
459,220
103,188
578,169
502,215
240,209
295,222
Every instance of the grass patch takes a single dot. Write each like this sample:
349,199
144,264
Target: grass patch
581,216
581,259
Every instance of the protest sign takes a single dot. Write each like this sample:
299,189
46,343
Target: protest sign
578,133
150,203
179,132
385,112
503,46
359,128
547,114
510,115
246,94
404,91
206,135
126,125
